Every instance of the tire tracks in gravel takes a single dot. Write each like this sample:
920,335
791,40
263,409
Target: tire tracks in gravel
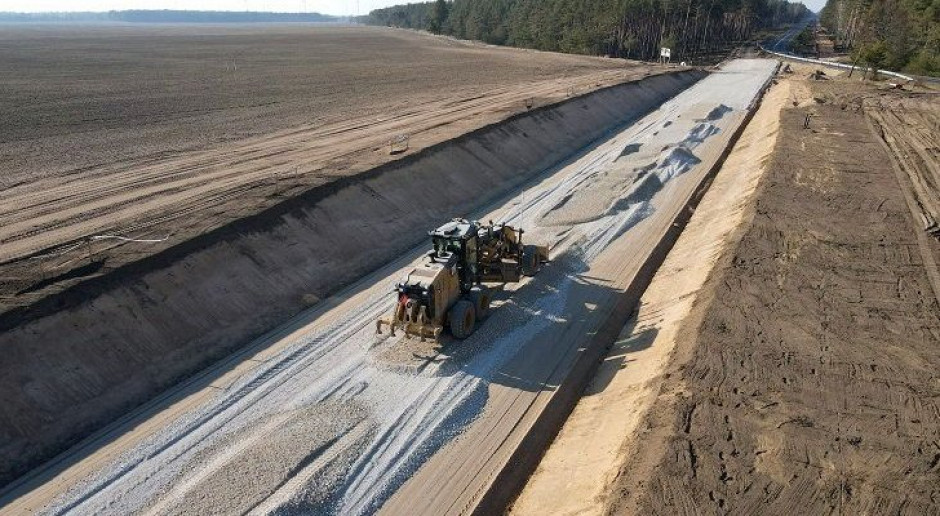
261,383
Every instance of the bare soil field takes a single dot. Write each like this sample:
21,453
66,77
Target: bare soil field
807,376
165,132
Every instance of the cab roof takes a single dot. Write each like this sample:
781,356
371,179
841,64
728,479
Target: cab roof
461,229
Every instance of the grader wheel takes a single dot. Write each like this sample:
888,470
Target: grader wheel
462,319
531,263
481,298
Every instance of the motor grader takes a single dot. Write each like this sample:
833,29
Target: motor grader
449,289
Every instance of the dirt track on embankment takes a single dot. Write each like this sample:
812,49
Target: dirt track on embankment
808,380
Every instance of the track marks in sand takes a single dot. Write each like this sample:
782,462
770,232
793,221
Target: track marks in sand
632,178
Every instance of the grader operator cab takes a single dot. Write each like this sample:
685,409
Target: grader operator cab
448,290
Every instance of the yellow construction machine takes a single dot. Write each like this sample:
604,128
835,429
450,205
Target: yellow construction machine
449,289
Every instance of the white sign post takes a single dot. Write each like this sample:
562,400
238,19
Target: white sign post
665,54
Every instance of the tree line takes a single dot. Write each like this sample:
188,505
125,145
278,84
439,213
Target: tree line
634,29
893,34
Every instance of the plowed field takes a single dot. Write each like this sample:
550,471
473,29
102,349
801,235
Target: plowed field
161,133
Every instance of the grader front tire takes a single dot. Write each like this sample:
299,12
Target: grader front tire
462,319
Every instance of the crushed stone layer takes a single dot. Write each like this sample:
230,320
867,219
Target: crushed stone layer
427,435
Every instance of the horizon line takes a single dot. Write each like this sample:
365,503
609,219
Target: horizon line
81,11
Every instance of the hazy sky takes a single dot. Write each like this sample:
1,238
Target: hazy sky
814,5
321,6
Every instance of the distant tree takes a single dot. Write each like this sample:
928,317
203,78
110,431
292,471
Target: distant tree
925,62
805,41
438,17
907,32
670,41
873,55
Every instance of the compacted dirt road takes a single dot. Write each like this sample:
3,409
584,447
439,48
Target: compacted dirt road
331,418
161,134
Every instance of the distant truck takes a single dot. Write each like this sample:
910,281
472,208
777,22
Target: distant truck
448,290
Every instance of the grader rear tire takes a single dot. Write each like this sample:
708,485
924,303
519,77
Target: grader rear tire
462,319
530,260
481,298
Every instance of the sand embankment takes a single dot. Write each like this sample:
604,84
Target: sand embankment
82,357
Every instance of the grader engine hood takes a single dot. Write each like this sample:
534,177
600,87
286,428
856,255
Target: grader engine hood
424,294
423,276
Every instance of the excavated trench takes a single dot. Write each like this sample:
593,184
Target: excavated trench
78,360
